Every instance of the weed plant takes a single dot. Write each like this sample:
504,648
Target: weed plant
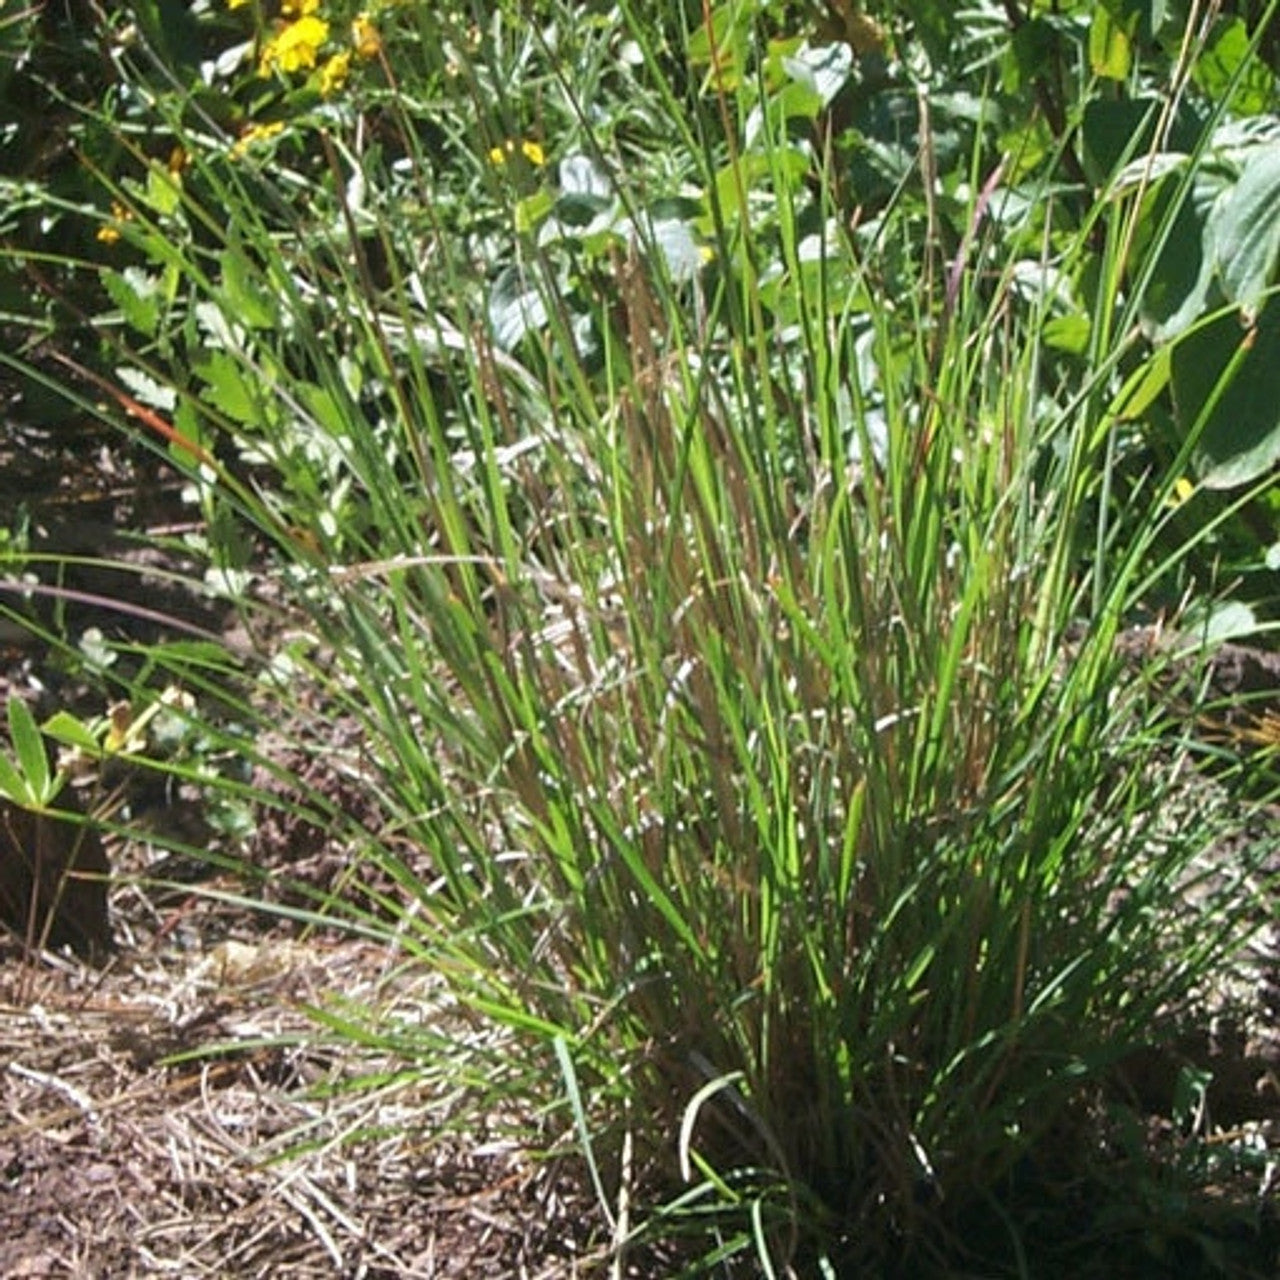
725,593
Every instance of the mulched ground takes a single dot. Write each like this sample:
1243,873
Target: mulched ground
121,1156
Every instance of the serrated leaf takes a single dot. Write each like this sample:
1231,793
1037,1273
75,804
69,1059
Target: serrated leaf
229,390
147,390
163,191
137,293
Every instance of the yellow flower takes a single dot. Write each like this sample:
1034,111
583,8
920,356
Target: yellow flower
256,133
299,8
333,75
531,151
364,37
109,232
236,4
294,48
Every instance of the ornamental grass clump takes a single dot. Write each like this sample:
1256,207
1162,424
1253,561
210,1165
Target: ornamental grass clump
726,596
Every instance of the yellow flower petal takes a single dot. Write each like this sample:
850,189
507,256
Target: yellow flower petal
295,47
531,151
256,133
364,37
333,75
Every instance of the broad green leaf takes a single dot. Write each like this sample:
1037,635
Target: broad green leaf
172,31
679,248
1245,229
1178,287
824,70
1030,55
581,176
28,746
1114,132
532,211
1228,377
516,307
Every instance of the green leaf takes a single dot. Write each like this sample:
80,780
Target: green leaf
533,210
1030,55
1229,68
163,191
1111,44
1178,288
71,731
823,71
190,426
1145,386
1115,131
246,301
1226,382
328,412
1245,229
229,390
516,307
138,295
13,786
172,32
1067,333
28,746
